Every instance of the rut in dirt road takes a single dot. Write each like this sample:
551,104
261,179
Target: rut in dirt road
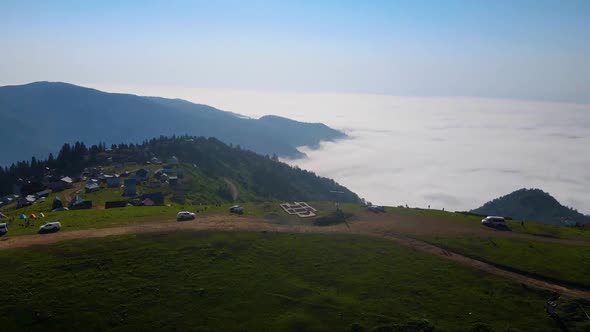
250,224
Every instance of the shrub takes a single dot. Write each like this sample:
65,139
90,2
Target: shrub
334,218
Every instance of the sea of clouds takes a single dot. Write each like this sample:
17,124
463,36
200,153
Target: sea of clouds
447,152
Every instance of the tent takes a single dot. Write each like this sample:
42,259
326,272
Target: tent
2,215
33,216
148,202
23,216
41,215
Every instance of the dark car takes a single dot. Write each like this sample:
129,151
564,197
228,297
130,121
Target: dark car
236,209
376,208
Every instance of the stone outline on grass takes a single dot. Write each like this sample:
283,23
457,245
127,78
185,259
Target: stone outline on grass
301,209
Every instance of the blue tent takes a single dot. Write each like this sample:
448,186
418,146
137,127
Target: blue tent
23,216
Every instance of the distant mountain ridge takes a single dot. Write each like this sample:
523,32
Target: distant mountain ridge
37,118
533,205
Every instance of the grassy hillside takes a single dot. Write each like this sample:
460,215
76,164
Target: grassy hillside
209,164
97,217
533,205
254,282
547,251
556,261
65,112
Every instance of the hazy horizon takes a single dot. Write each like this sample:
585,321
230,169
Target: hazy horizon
535,50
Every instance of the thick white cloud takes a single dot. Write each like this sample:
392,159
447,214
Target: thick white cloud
455,153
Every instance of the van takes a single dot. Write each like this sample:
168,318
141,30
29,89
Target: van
493,221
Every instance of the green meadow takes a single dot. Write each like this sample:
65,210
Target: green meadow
215,281
557,261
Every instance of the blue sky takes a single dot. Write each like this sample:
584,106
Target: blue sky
508,49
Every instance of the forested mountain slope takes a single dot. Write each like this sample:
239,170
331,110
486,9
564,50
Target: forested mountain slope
36,118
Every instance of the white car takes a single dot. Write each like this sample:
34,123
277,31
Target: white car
50,227
493,221
3,228
185,215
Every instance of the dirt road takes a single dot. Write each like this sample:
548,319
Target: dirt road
235,223
423,226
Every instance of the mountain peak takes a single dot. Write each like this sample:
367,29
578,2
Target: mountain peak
532,205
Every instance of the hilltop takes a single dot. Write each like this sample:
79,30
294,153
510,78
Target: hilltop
533,205
37,118
212,170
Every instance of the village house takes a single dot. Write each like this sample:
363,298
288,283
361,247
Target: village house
57,203
28,187
6,200
105,177
78,178
26,201
91,187
78,203
113,182
157,198
67,181
130,187
142,174
43,193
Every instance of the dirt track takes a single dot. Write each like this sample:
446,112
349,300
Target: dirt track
231,223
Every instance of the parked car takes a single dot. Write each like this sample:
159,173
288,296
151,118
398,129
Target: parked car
236,209
3,228
493,221
185,215
50,227
376,208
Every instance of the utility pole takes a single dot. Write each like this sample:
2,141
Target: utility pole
336,203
